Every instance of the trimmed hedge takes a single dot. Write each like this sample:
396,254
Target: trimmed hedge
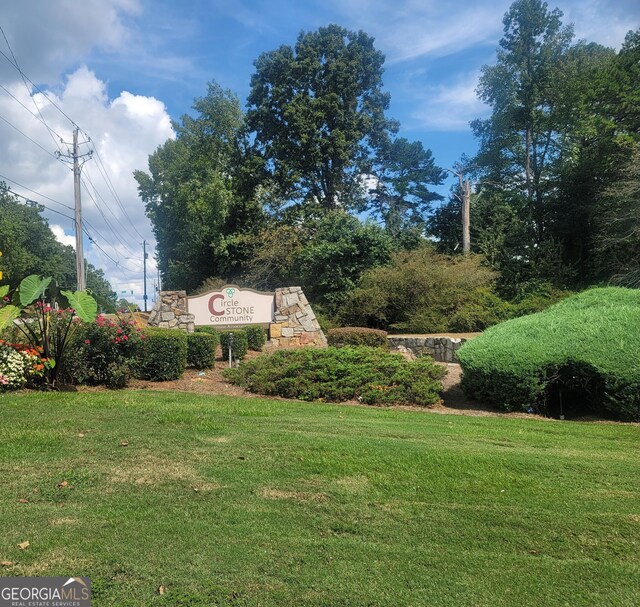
164,355
201,350
581,354
256,337
208,329
357,336
370,375
240,344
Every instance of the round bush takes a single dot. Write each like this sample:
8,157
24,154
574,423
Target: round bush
240,344
201,350
208,329
371,375
578,356
357,336
256,337
164,355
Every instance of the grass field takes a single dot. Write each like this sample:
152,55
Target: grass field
231,501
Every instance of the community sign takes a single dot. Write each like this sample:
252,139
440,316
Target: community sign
231,306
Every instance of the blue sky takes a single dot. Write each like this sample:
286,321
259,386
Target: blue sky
122,68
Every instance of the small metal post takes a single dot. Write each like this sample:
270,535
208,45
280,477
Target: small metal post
230,350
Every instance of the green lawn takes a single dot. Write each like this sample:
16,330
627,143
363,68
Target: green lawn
230,501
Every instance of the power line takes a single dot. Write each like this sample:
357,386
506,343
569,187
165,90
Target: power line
101,167
15,61
117,263
66,206
39,118
13,126
103,171
97,193
29,200
37,88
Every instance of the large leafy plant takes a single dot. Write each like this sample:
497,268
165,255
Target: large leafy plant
46,327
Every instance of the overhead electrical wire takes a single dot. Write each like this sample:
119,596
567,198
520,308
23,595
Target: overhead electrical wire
39,118
100,164
118,263
97,193
66,206
15,62
13,126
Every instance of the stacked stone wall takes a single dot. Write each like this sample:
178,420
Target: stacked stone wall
295,323
442,349
170,312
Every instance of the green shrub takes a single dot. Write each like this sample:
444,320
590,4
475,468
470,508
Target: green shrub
256,337
481,310
103,352
539,300
164,355
357,336
581,354
240,344
420,292
371,375
208,329
201,350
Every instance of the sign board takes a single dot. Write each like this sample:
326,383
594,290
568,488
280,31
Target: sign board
232,305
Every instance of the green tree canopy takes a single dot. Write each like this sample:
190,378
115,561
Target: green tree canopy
194,194
318,112
30,247
402,172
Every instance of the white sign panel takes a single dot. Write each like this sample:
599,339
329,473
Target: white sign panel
232,306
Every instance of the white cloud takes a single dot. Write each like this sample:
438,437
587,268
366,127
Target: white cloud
409,29
448,107
603,22
62,236
47,37
123,131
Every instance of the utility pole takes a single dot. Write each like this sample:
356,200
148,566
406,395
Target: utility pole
77,167
465,200
144,250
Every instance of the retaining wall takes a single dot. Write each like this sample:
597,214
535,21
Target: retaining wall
442,349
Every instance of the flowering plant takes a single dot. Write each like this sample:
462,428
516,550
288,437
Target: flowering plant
46,328
20,366
110,348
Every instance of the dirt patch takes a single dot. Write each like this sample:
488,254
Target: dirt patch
63,522
297,496
152,470
353,484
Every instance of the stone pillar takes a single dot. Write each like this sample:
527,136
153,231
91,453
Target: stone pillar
170,312
295,323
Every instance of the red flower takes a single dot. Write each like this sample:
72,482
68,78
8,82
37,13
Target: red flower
87,341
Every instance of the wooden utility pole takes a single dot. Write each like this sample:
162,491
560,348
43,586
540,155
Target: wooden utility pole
78,216
75,157
465,188
465,202
144,265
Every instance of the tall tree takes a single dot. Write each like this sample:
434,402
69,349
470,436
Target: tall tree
318,112
520,143
195,193
401,174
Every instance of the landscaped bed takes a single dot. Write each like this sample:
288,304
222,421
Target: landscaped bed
581,355
195,500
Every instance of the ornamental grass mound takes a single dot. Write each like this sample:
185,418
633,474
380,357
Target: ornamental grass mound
578,357
370,375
